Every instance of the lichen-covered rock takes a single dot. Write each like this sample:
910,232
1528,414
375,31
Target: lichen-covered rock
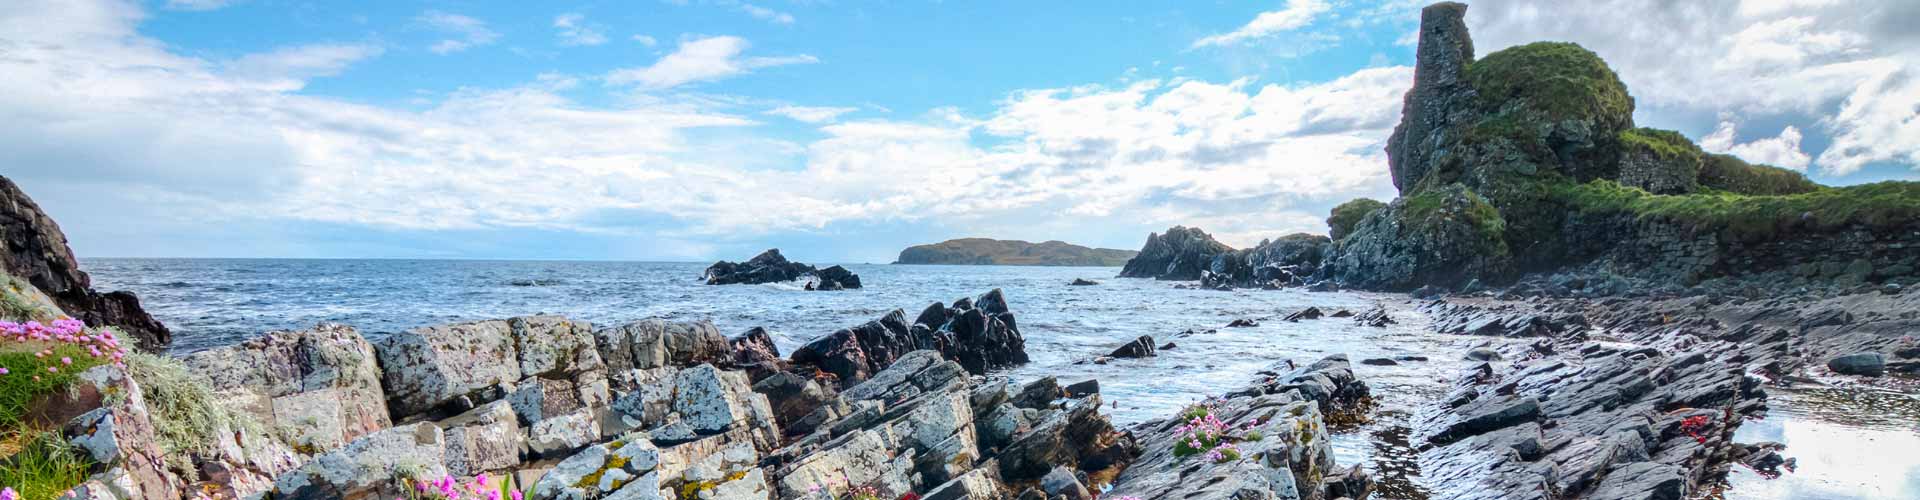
623,468
562,435
320,385
369,467
486,439
861,458
655,343
448,369
554,346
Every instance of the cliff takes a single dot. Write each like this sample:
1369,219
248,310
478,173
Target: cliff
36,251
984,251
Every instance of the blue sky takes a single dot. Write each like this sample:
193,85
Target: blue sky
840,131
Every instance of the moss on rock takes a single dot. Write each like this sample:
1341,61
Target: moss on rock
1890,204
1733,175
1341,221
1553,81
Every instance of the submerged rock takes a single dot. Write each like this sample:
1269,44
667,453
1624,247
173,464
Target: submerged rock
1870,364
1139,348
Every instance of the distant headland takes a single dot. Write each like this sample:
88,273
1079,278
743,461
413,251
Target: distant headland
985,251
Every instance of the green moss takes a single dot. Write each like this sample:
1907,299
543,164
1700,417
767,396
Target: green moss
1556,81
40,465
1344,217
1426,208
1664,144
1733,175
1755,218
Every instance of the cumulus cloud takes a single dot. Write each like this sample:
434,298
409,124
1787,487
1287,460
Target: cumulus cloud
1780,151
811,114
701,59
574,30
1832,67
466,32
1296,15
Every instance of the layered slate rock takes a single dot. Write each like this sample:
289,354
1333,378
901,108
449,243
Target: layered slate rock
321,386
1183,253
1292,457
1648,413
367,467
547,366
981,334
33,248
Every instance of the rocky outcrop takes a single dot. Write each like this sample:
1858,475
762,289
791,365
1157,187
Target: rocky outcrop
1446,237
837,278
1272,443
35,250
771,267
1183,253
980,334
1441,98
1343,217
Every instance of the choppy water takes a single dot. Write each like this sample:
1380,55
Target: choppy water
214,302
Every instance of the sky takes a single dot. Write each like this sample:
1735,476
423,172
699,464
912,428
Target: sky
838,130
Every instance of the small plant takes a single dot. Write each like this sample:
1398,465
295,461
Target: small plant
1696,426
41,465
478,487
1205,433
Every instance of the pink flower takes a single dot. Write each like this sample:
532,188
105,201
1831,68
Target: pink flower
518,496
66,360
8,494
51,369
3,370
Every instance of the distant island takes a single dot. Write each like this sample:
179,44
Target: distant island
984,251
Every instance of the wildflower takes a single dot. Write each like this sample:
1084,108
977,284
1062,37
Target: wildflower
9,494
53,369
66,360
518,496
3,370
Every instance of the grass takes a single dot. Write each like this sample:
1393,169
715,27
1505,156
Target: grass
1666,145
1560,81
40,465
28,380
1347,215
1756,218
1733,175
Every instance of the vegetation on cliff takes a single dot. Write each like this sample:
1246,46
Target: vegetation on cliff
1552,82
1731,174
1345,216
984,251
1757,218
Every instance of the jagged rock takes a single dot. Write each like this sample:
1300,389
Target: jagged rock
792,398
1444,237
1376,317
853,354
980,334
1243,323
485,439
595,472
1139,348
654,343
755,352
33,248
1181,254
119,436
1060,482
975,485
1441,97
837,278
1077,436
768,267
366,467
1039,394
447,369
320,385
1871,364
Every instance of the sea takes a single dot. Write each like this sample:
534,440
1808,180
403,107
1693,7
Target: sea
210,303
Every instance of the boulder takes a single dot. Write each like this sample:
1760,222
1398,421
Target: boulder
1142,347
755,352
368,467
485,439
654,343
447,369
320,385
768,267
1870,364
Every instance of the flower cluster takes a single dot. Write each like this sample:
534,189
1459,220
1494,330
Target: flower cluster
478,487
1205,433
8,494
1696,426
100,345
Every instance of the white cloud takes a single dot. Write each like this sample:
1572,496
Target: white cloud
1296,15
646,40
1839,69
766,14
811,114
290,68
701,59
573,30
467,32
200,141
1779,151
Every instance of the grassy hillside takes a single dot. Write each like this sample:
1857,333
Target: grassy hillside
983,251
